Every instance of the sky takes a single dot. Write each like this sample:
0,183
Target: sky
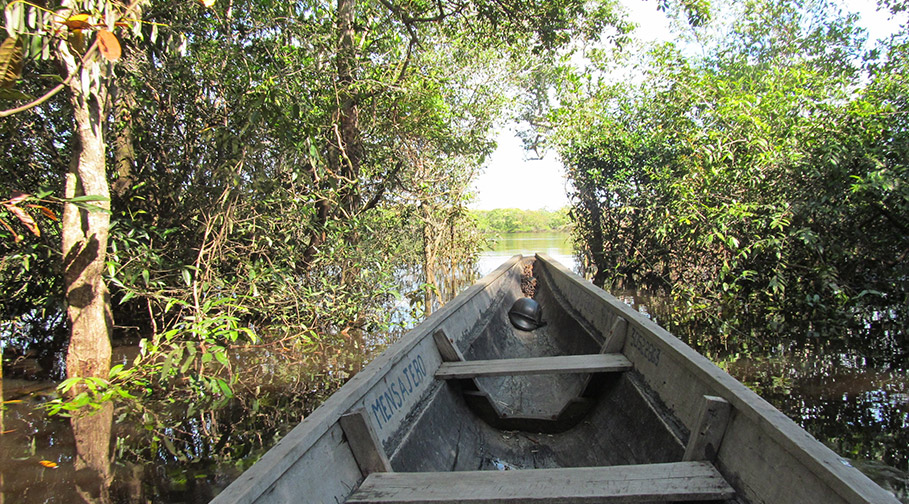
514,179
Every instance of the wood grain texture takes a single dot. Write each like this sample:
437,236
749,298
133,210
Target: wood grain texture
593,363
681,376
364,444
611,484
615,340
275,477
707,435
447,349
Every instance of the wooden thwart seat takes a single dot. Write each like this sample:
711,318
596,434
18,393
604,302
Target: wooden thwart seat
463,374
593,363
698,481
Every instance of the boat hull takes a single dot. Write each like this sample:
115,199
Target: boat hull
641,415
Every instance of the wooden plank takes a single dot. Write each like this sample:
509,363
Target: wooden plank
615,341
364,444
447,349
683,481
707,434
680,376
593,363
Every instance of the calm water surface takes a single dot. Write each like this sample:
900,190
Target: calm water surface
556,245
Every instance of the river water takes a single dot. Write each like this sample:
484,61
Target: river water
178,452
556,245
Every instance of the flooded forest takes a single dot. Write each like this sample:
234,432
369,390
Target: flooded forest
213,213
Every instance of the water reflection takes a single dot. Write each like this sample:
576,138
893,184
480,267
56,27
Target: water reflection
167,449
92,435
839,389
556,245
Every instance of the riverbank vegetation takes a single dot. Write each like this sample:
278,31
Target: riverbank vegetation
243,200
283,179
756,171
515,220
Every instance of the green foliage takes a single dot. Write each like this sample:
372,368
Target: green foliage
762,184
514,220
299,206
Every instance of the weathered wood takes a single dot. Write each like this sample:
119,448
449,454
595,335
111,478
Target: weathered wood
630,483
615,340
707,434
295,466
593,363
364,444
426,425
447,349
773,458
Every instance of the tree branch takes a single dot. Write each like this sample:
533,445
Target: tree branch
55,90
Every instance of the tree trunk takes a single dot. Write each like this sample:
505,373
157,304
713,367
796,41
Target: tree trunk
92,433
339,194
348,120
429,271
125,153
596,239
85,232
429,260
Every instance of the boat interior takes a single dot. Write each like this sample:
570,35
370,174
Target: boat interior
531,421
533,386
558,396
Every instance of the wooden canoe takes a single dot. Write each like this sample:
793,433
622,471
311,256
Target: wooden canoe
598,405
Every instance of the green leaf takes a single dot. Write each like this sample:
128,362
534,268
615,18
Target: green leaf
225,388
114,371
188,362
166,367
14,95
10,62
221,357
129,295
56,78
84,199
68,384
173,301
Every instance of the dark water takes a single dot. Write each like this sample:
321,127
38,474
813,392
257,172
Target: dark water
172,450
166,449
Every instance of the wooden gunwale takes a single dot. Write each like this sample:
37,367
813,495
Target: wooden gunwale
679,378
825,464
256,480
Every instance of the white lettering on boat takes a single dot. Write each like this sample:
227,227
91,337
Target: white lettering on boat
398,389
